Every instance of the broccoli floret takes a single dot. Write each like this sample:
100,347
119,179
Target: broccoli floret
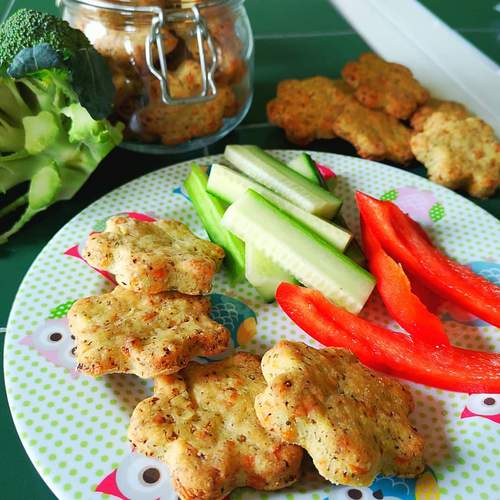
29,28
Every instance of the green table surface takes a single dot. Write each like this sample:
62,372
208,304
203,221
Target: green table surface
293,38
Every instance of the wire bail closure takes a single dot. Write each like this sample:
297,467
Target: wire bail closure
160,19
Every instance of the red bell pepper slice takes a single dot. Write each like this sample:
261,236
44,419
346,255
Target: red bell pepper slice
448,367
396,292
326,172
406,242
431,300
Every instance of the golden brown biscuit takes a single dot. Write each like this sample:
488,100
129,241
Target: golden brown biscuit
202,424
119,45
352,421
152,257
459,154
374,134
184,81
174,124
453,111
125,54
127,332
129,90
231,66
306,109
383,85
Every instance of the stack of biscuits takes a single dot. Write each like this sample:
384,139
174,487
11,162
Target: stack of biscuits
241,421
386,113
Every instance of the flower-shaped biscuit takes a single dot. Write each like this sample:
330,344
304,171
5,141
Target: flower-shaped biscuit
201,423
352,422
152,257
459,154
306,109
384,85
374,134
127,332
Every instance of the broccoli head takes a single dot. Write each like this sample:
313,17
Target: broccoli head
54,98
29,28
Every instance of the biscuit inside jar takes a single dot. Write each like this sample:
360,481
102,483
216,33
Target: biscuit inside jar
122,38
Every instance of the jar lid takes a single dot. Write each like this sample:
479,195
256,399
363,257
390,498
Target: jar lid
144,5
164,4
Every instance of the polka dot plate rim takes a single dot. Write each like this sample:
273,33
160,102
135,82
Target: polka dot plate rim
74,428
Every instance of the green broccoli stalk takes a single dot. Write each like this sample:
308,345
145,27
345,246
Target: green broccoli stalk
48,136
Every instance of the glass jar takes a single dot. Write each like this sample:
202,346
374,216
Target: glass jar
183,70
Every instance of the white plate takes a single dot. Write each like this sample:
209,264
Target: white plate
74,427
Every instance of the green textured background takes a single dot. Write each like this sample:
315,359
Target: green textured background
293,38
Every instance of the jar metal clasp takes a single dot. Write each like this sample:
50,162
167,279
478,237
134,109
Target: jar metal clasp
209,89
160,19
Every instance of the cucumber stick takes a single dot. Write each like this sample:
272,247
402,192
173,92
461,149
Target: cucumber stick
355,253
310,259
229,185
210,210
353,250
262,273
304,165
331,183
275,175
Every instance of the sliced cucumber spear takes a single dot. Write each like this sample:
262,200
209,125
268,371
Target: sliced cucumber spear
229,185
331,183
353,250
304,165
293,247
262,273
275,175
210,210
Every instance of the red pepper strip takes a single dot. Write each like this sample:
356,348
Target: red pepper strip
450,368
326,172
396,292
430,299
418,241
406,242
